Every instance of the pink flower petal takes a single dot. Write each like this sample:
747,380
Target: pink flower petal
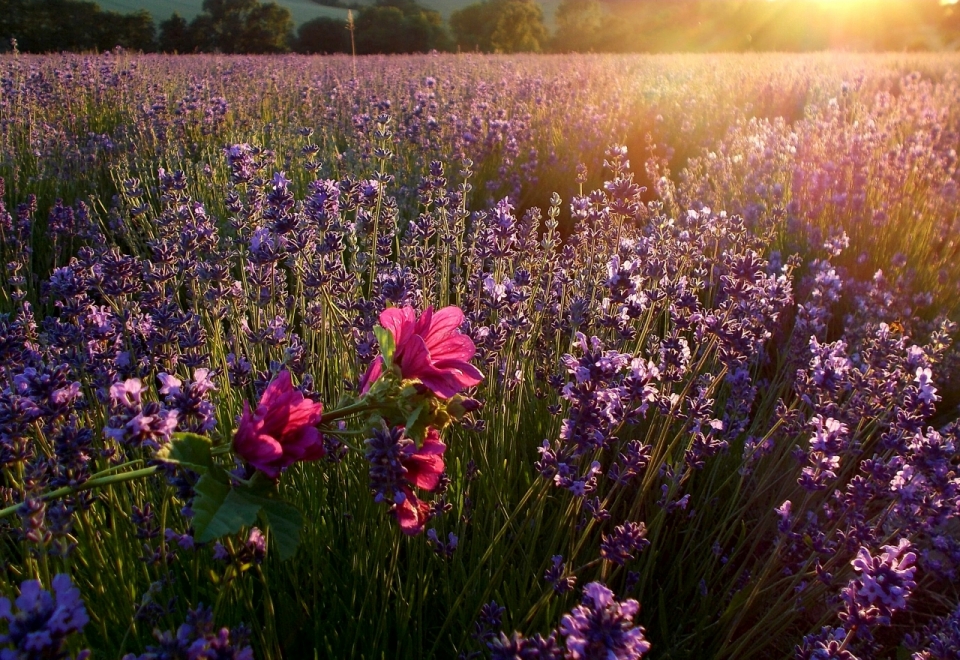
289,412
442,384
303,413
465,373
445,323
431,349
454,347
400,323
308,446
412,514
261,450
426,465
282,429
416,358
371,375
422,326
432,443
276,390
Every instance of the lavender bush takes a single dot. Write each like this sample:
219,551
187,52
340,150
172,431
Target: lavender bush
701,401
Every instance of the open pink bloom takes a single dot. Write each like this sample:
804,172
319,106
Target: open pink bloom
281,431
424,468
430,349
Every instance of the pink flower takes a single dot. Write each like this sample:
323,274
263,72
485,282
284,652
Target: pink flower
424,468
430,349
281,431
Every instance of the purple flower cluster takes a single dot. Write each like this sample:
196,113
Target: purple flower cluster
940,640
626,540
884,584
602,628
42,622
198,639
684,369
138,423
599,628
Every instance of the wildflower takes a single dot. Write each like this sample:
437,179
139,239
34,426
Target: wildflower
138,423
41,625
825,645
396,466
429,348
281,431
518,647
558,577
886,580
627,539
198,638
924,381
939,640
601,628
488,621
442,549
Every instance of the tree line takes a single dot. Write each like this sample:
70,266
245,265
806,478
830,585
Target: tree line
508,26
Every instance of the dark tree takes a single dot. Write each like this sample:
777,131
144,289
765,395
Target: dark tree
323,35
242,26
579,26
507,26
134,31
175,35
399,26
43,26
520,28
268,29
473,26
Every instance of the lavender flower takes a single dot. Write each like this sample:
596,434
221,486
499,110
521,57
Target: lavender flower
939,640
558,577
627,539
885,581
518,647
601,628
137,423
197,639
42,622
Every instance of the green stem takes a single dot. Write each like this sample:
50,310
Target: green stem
352,409
86,485
110,470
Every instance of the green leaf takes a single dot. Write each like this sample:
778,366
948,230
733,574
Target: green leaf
387,345
261,486
188,450
416,424
736,605
281,518
220,510
412,418
284,521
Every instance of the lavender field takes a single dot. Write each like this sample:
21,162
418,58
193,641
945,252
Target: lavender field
527,357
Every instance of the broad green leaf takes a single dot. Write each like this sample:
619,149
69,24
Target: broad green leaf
416,424
284,521
220,510
387,345
736,605
281,518
189,450
261,486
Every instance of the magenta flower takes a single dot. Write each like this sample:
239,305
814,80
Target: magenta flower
424,468
430,349
397,467
281,431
